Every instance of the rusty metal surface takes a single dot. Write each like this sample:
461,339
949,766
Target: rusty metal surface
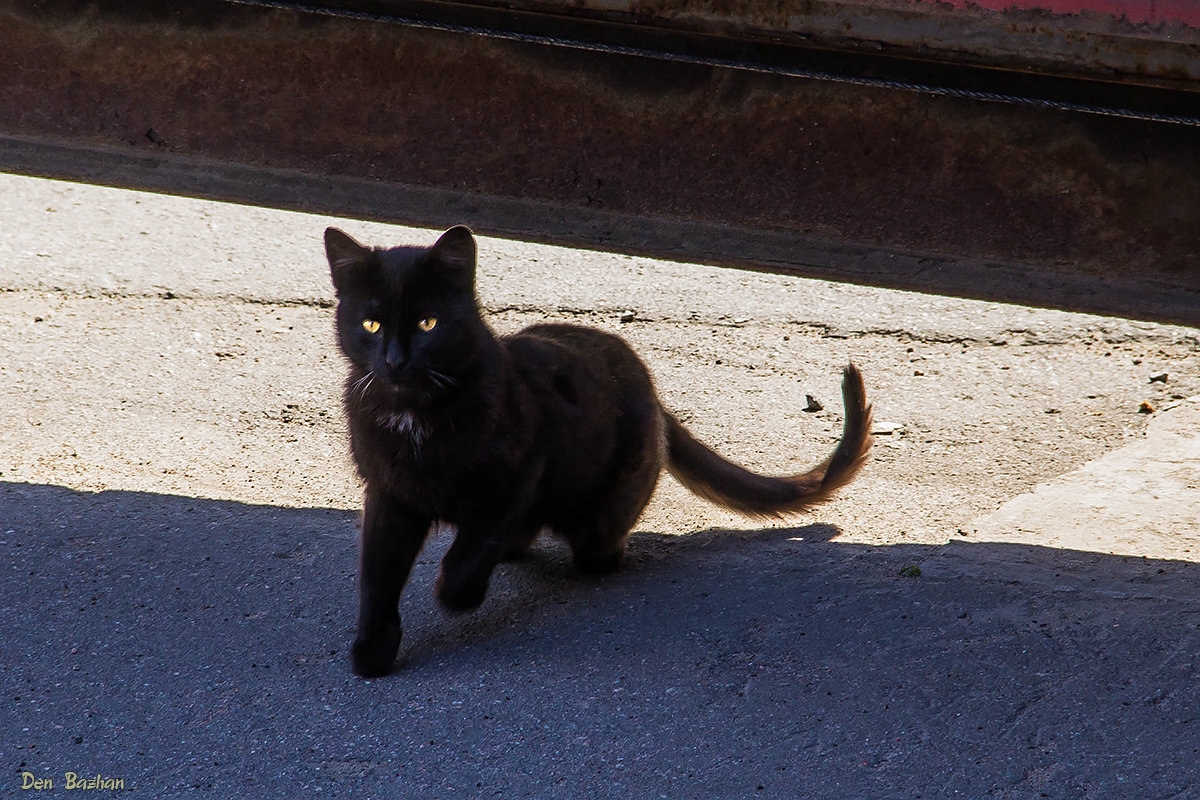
999,193
1145,41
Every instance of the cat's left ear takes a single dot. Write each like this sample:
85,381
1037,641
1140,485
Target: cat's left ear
347,258
456,249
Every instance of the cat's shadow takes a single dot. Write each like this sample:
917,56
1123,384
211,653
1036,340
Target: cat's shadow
544,586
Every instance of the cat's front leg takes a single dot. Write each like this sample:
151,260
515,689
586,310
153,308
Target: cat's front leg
466,569
392,536
484,541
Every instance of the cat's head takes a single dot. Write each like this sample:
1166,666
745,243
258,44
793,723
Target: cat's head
408,315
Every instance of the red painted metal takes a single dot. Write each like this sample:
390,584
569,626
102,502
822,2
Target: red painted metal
1137,12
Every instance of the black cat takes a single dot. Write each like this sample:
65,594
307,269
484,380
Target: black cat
557,427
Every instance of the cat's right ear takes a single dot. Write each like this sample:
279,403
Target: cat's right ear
456,249
347,258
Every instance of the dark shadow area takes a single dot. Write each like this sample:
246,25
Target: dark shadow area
519,589
181,644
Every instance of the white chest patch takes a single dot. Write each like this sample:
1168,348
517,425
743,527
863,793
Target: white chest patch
404,425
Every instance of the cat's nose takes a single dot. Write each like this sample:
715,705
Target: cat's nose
394,356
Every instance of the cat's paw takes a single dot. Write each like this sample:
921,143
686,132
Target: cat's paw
602,564
460,594
372,656
516,552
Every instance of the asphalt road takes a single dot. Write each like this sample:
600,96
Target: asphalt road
179,520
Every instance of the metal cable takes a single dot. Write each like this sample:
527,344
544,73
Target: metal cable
747,66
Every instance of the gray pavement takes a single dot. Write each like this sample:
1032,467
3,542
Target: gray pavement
200,646
974,619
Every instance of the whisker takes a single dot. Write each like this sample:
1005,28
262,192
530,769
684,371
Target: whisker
442,379
362,385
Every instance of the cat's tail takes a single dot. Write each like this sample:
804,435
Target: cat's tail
709,475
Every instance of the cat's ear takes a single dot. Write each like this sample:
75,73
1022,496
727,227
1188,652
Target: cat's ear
456,249
347,258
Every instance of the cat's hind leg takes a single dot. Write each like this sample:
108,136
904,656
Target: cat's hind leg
598,554
598,536
598,546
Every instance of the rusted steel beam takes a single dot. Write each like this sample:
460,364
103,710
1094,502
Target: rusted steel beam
687,160
1141,41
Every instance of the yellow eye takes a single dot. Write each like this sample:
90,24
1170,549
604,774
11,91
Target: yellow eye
370,326
427,324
